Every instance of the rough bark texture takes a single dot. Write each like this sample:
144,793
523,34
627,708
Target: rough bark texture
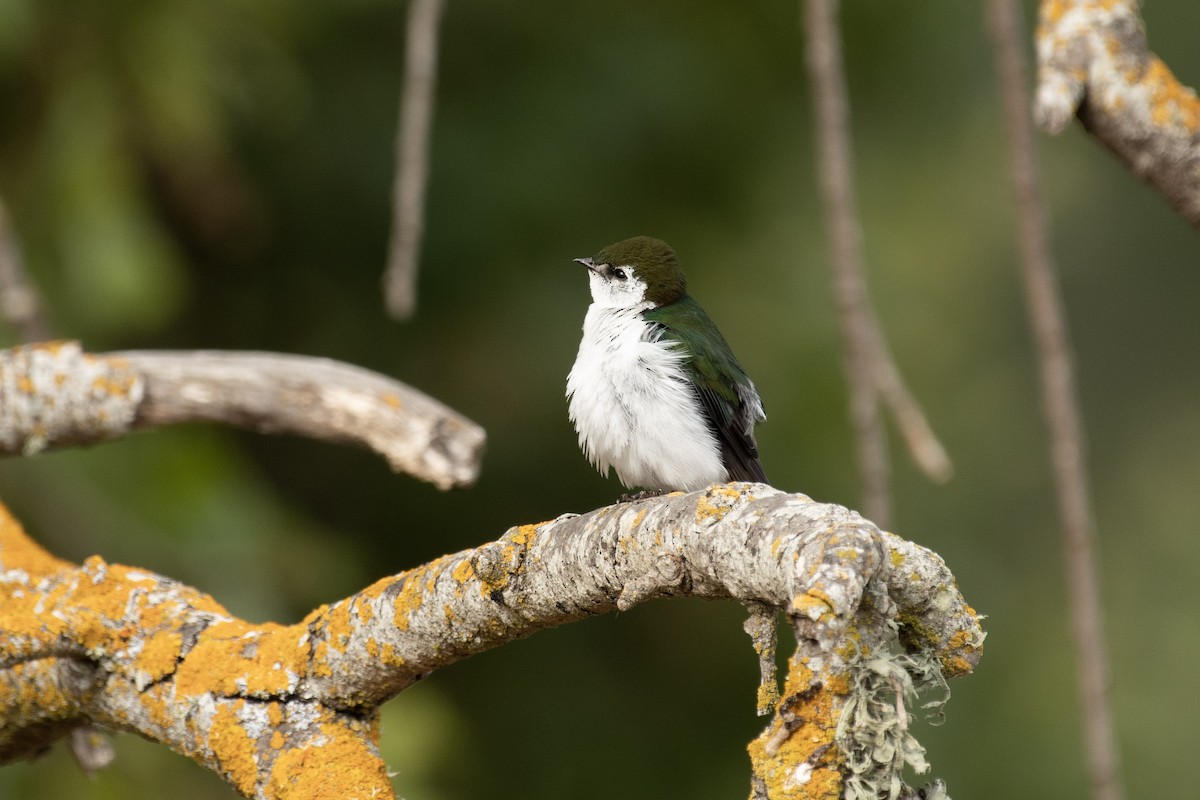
1094,63
289,711
53,394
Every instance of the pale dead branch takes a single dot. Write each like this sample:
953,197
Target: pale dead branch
53,394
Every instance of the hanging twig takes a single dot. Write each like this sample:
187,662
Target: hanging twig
20,305
871,373
412,158
845,244
1060,406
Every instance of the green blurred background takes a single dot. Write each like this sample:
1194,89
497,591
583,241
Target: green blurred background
218,175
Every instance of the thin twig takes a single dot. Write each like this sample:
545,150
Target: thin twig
871,373
1060,406
412,158
923,445
845,243
20,305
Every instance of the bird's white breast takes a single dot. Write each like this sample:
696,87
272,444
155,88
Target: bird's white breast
634,407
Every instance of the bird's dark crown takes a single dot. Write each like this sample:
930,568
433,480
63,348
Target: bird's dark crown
654,262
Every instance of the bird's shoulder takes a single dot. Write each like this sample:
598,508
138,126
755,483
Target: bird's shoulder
708,356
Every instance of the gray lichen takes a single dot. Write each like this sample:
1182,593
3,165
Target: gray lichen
873,732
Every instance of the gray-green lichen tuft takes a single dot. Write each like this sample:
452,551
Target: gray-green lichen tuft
873,732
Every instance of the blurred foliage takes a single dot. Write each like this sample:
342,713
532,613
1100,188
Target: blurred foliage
188,175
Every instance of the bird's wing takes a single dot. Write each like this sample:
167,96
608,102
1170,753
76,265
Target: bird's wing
728,398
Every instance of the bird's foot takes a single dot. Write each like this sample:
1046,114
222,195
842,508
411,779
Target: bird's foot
645,494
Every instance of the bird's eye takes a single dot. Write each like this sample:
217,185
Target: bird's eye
619,274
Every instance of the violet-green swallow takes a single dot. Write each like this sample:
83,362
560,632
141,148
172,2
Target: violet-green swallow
655,392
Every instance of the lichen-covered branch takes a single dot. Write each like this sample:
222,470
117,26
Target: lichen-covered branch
272,708
1094,63
53,394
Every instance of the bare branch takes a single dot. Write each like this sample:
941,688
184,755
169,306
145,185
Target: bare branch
1060,406
20,305
924,447
135,651
834,160
412,157
54,394
871,373
1094,63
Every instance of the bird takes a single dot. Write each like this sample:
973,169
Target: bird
655,392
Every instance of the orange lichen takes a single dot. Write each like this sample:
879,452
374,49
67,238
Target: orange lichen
1053,10
813,604
338,765
1171,103
800,761
115,386
955,666
158,706
26,697
524,535
389,657
233,747
262,661
714,504
411,596
159,654
963,650
463,571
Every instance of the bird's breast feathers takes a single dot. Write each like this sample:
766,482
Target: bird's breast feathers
634,407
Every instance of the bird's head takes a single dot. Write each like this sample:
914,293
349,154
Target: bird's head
641,272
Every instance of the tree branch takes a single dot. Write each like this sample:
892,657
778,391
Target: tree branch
1094,63
1060,405
871,372
412,157
272,707
53,394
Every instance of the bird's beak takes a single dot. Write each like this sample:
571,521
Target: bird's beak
587,262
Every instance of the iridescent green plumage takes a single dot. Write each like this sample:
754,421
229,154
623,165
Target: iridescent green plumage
727,395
